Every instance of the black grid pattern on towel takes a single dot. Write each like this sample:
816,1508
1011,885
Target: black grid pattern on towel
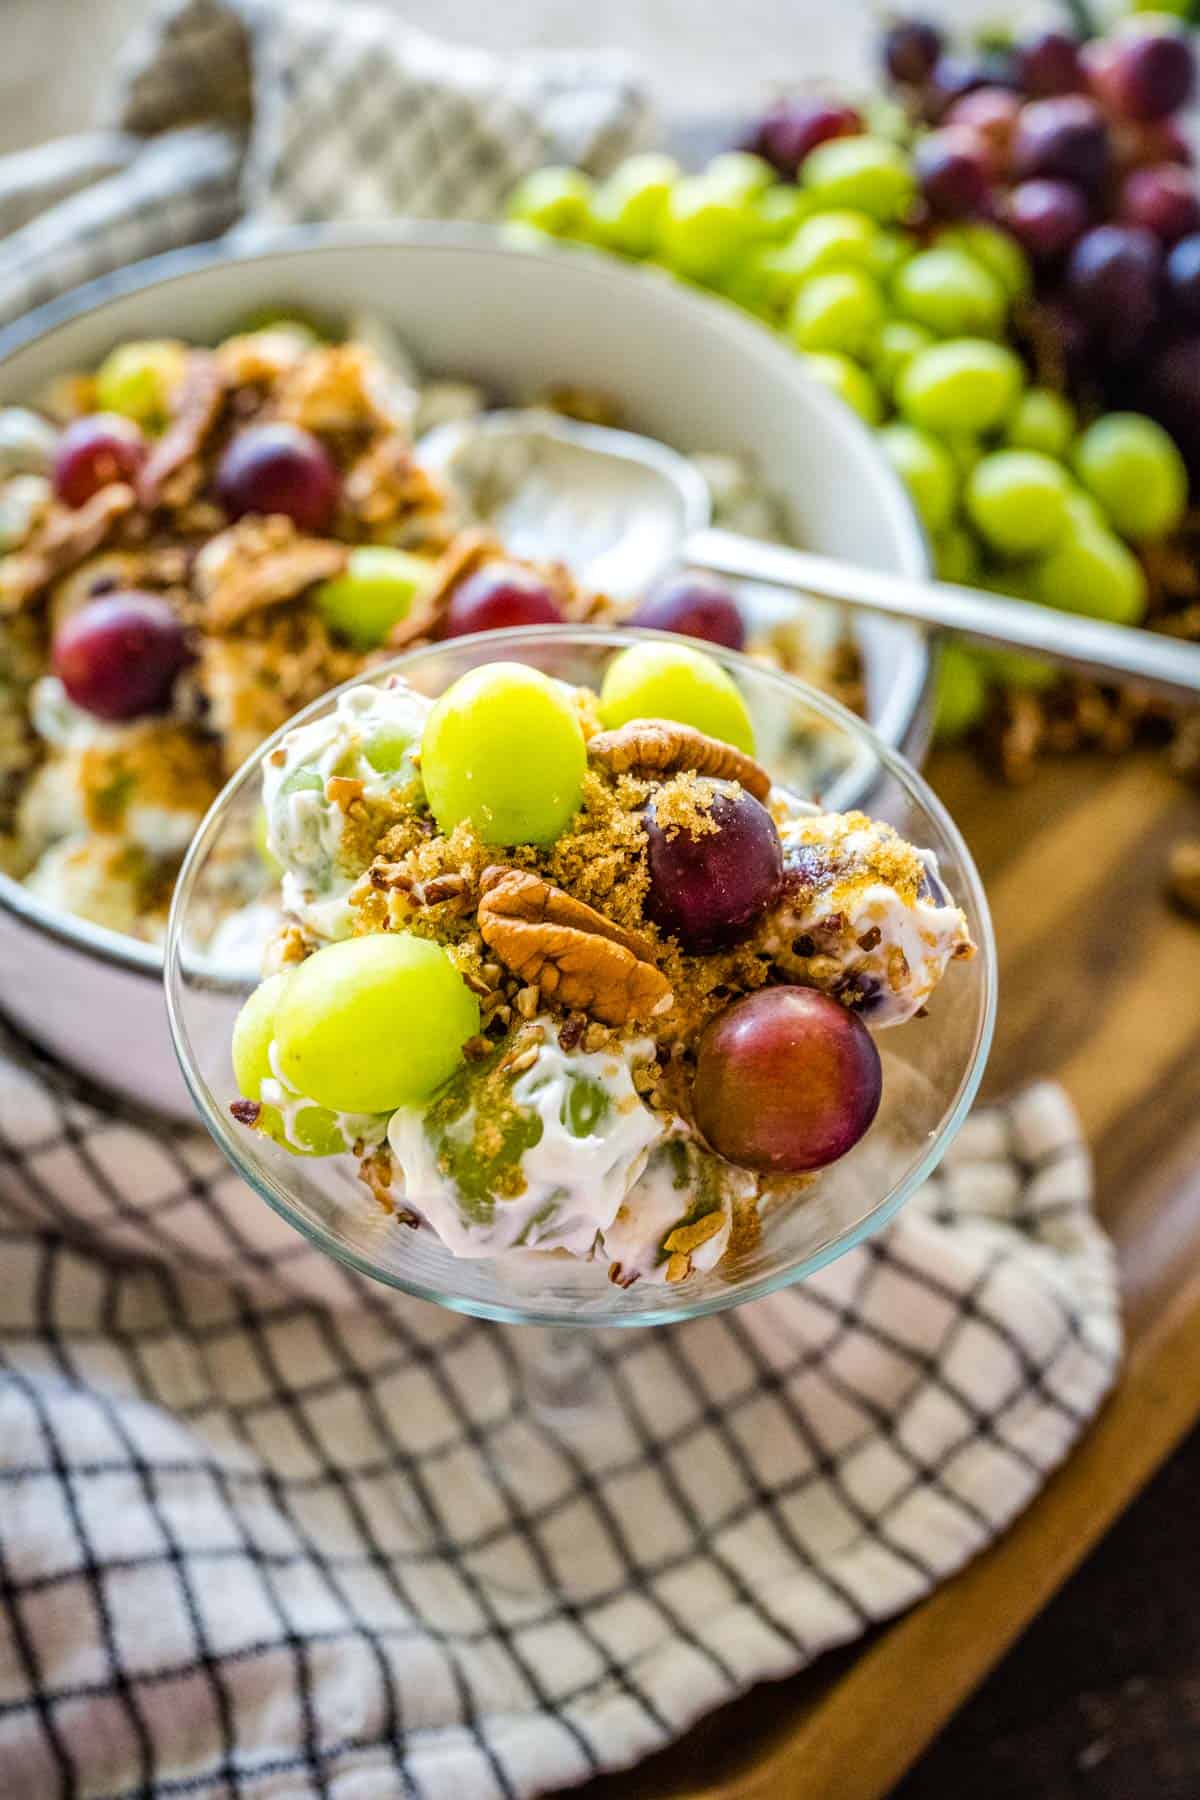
762,1497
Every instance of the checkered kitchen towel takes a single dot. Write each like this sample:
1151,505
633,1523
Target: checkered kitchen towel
288,111
267,1530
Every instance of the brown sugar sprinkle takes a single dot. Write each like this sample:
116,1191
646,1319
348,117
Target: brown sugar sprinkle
684,803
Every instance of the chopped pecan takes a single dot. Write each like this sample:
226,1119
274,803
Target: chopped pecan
259,358
338,387
246,1112
375,1173
343,790
660,747
65,538
260,562
573,954
195,411
387,487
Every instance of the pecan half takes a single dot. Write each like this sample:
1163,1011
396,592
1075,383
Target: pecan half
573,954
257,563
197,407
67,536
660,747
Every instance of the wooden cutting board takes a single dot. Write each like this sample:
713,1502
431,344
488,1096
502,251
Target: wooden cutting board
1099,986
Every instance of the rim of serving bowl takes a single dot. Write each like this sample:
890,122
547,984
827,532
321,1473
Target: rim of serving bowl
904,707
974,900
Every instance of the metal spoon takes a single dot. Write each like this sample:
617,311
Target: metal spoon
620,510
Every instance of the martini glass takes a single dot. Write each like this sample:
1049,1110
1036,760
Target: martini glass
931,1066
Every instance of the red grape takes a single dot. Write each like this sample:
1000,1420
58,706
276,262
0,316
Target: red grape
1146,75
498,596
952,78
911,48
1049,65
1158,141
696,606
709,890
992,113
117,657
93,451
1183,278
786,134
279,469
1046,216
786,1080
1172,394
1057,321
1064,140
1163,199
1113,274
952,169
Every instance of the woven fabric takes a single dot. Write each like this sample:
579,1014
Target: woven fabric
269,1530
288,111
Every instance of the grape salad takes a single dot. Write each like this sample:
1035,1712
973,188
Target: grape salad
566,971
196,542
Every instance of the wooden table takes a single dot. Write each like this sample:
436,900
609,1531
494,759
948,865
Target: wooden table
1100,986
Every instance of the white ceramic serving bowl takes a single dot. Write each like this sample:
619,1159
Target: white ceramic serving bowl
683,368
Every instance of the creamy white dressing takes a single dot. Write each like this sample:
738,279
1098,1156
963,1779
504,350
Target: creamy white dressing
910,943
275,1090
305,830
656,1204
574,1185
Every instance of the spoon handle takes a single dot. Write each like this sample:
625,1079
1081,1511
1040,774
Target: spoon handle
1168,665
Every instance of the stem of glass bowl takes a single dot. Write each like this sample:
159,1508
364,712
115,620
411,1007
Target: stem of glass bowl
561,1378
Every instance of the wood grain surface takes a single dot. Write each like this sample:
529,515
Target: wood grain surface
1100,987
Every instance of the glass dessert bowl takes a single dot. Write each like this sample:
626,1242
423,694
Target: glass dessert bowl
624,1018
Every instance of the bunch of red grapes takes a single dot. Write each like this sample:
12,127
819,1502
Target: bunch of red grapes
1077,150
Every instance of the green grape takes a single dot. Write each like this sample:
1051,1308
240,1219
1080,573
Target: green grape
1017,669
867,174
998,253
779,211
1092,572
1085,513
890,250
1042,420
554,199
845,379
377,589
965,386
373,1023
253,1032
926,470
740,175
1134,470
308,328
521,236
896,345
262,844
503,749
833,240
1017,500
951,293
138,379
704,229
961,693
671,681
839,311
956,556
964,452
630,207
389,749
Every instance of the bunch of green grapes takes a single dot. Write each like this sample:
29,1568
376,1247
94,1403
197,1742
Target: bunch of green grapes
914,330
